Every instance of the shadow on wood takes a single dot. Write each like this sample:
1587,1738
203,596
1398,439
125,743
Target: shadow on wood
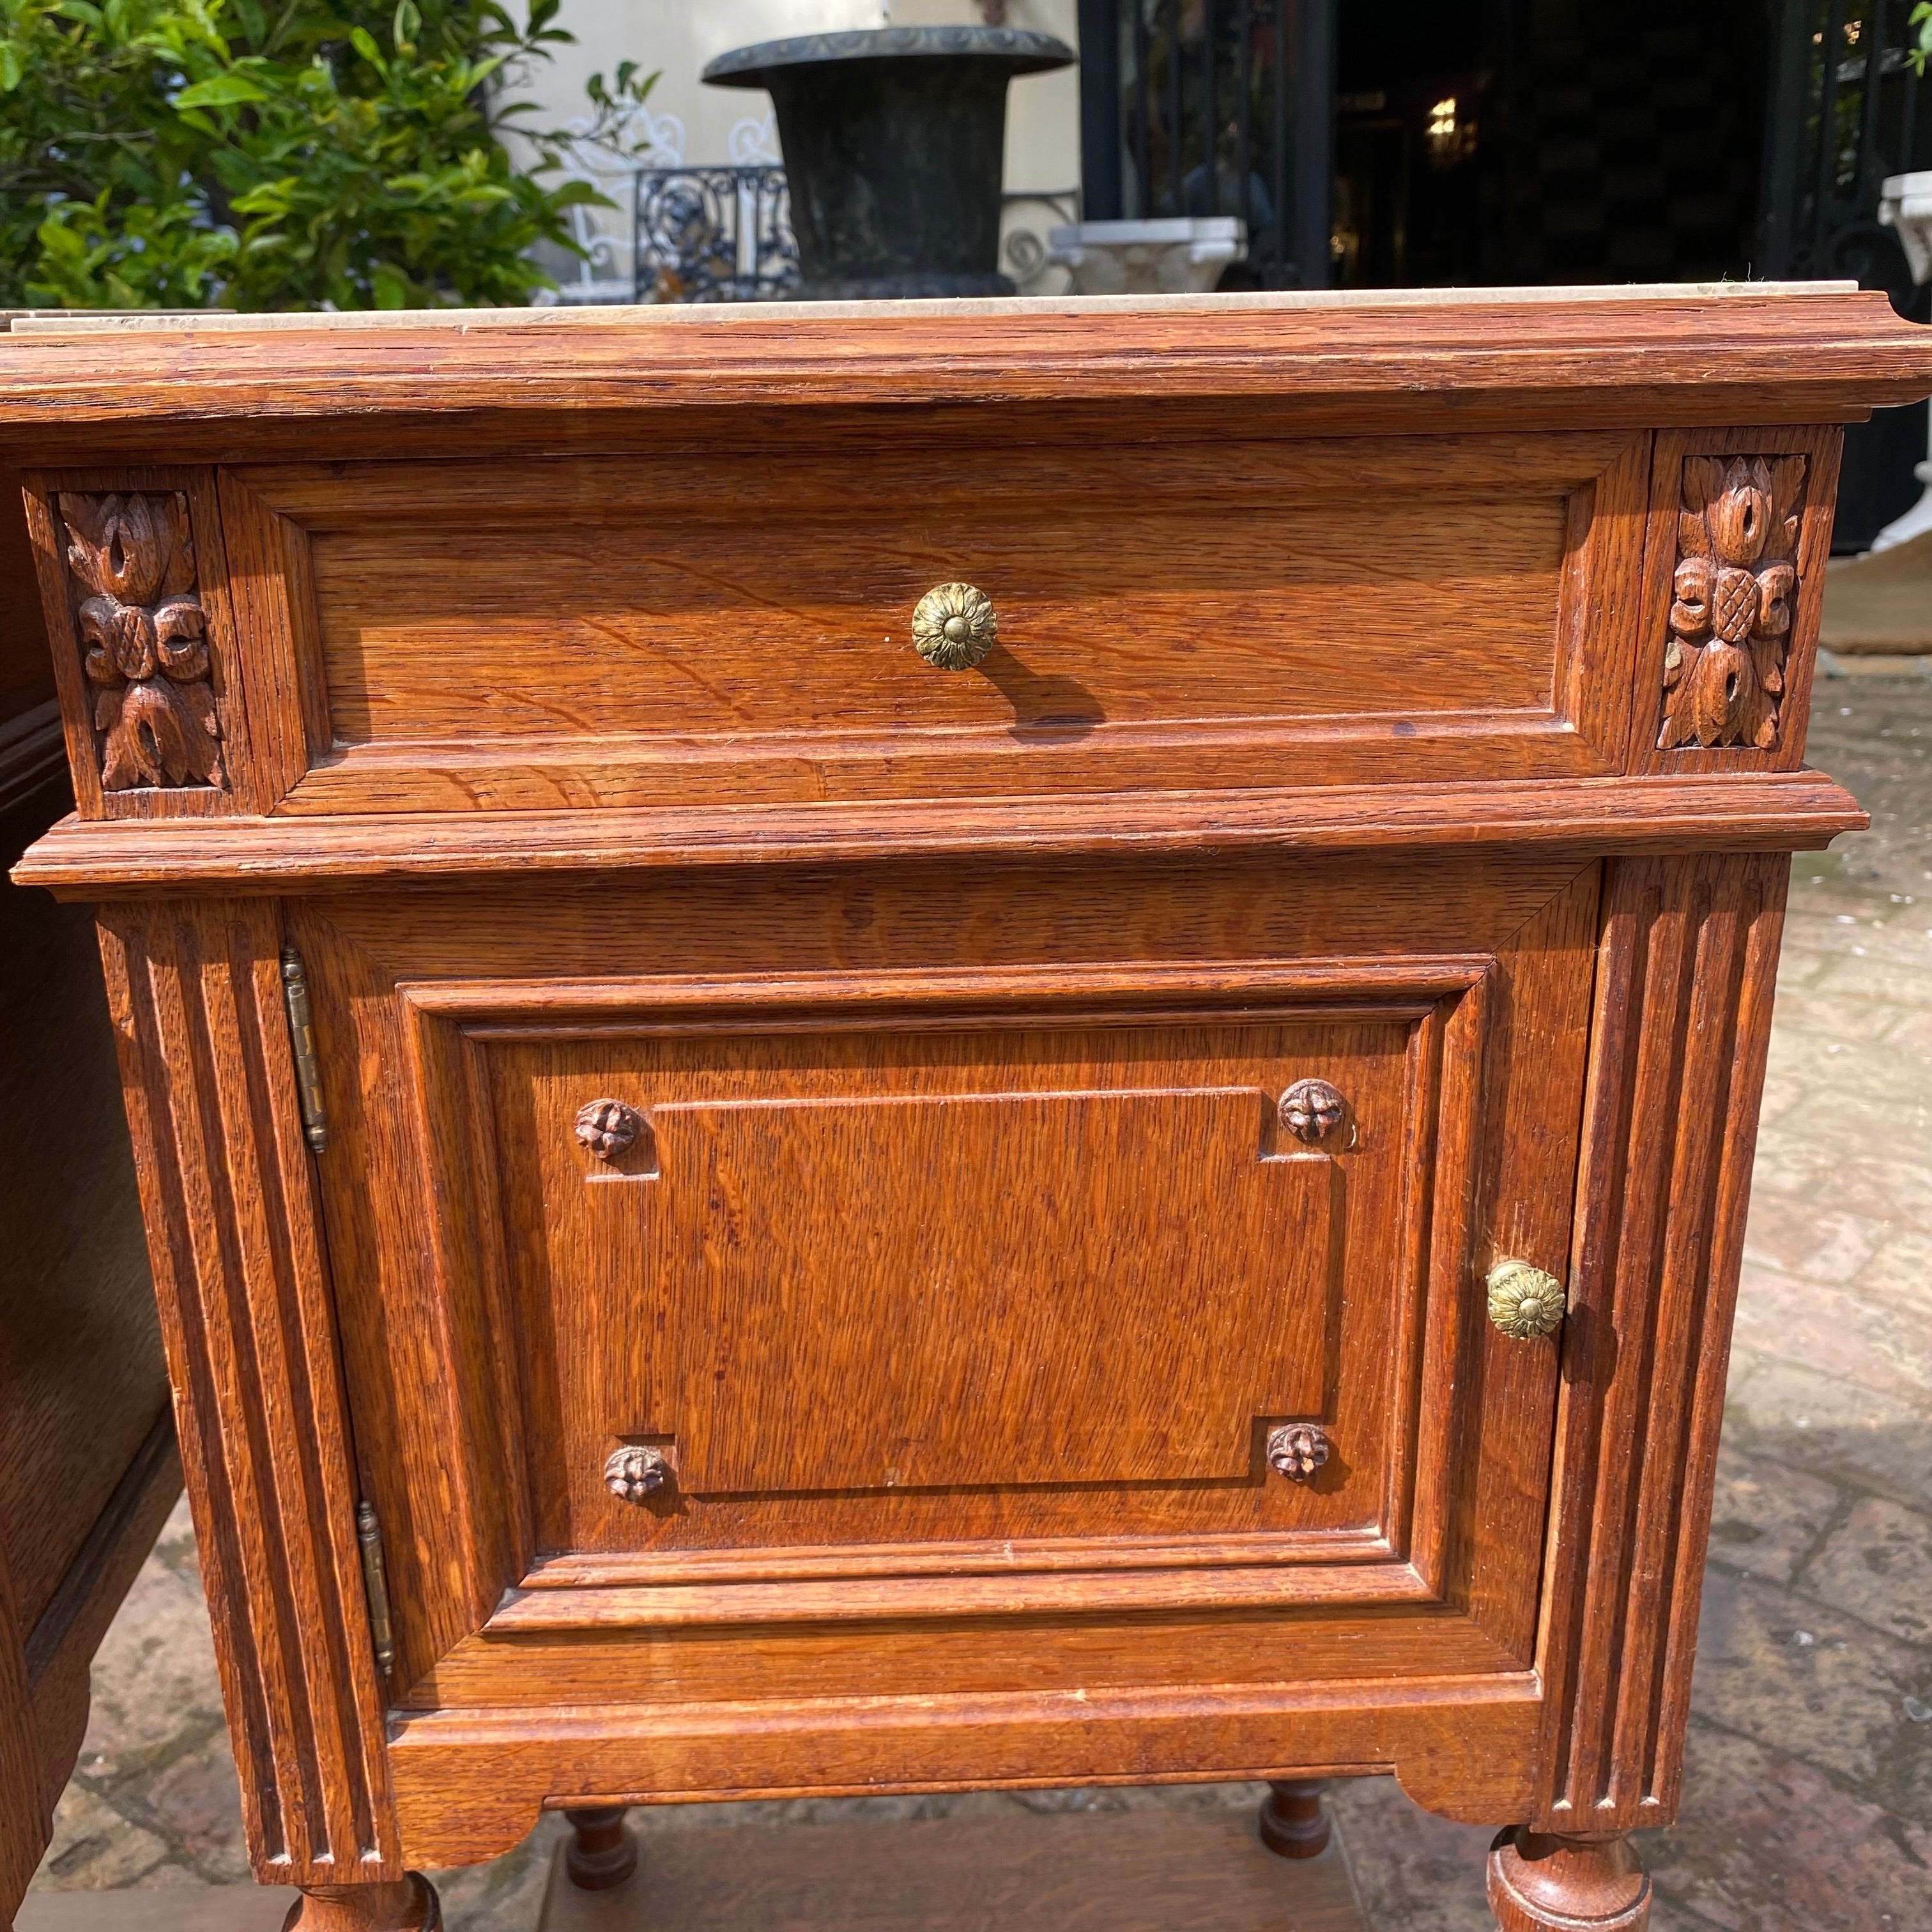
1113,1871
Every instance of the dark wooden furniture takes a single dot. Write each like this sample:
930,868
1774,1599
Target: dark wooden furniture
88,1466
941,1048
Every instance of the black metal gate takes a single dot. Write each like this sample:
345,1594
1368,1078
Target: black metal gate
1844,113
1205,107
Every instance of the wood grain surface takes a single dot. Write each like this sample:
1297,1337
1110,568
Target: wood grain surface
194,991
81,1380
1685,976
1795,811
1672,357
1167,617
468,1783
804,986
959,1263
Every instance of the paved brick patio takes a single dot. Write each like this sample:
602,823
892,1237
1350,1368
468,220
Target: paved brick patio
1808,1800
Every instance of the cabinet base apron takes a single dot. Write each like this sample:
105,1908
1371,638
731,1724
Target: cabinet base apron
468,1785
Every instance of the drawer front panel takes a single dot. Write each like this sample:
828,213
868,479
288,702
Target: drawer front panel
565,634
663,623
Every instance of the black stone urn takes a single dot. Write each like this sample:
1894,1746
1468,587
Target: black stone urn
894,144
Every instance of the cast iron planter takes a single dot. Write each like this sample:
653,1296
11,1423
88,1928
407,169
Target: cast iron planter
894,143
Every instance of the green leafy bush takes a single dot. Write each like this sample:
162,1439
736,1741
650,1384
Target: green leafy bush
297,153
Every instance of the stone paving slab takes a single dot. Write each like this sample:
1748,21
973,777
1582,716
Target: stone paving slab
1807,1803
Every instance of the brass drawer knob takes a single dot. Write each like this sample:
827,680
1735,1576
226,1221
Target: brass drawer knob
1297,1450
954,626
1525,1302
635,1472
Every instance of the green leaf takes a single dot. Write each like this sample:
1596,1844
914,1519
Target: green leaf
407,25
220,90
11,73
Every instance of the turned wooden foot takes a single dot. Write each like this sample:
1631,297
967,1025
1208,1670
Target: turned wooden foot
1293,1821
405,1905
1543,1884
603,1849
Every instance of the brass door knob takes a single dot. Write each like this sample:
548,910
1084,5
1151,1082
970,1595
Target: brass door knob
954,626
1525,1302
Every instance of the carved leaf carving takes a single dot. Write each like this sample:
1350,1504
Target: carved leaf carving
145,630
1730,610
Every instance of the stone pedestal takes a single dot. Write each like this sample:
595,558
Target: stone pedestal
1184,255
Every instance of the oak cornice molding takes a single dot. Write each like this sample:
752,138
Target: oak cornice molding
1832,356
1766,811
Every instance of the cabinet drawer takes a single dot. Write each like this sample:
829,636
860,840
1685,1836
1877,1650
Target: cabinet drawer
1168,615
947,1292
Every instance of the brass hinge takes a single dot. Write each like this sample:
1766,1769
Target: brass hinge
301,1038
375,1586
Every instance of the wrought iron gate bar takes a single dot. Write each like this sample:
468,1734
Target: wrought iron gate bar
1844,114
1214,107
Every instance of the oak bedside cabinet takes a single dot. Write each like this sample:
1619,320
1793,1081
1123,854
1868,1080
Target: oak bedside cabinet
946,1045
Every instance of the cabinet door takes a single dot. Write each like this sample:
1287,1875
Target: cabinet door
948,1247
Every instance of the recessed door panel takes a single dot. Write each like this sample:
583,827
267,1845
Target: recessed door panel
977,1288
1040,1274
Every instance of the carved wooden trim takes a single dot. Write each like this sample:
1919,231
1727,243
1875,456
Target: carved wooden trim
1686,961
130,559
1733,590
195,993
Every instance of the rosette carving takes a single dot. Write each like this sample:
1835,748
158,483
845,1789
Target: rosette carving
1297,1449
144,633
1311,1110
1730,612
635,1473
608,1127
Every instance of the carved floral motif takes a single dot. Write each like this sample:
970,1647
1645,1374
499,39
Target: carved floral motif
1311,1110
143,627
1297,1449
1730,615
635,1473
607,1127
